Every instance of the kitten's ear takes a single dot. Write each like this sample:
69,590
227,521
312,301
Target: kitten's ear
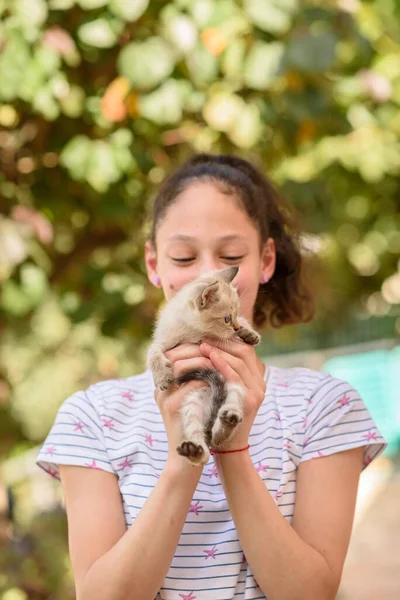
228,274
208,296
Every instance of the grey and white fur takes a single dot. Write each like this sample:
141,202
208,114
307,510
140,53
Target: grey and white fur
205,307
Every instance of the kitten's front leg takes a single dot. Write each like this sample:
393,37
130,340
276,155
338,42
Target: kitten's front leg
160,366
247,333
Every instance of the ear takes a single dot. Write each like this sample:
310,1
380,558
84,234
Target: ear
150,257
228,274
208,296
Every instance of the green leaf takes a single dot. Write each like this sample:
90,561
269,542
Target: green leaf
61,4
312,52
146,63
75,156
129,10
45,103
273,16
90,4
99,33
73,104
222,110
263,64
233,59
203,66
13,66
164,105
30,13
246,130
102,168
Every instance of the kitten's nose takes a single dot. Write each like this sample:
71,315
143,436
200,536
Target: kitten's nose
236,326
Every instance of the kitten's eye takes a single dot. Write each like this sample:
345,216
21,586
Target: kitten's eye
227,319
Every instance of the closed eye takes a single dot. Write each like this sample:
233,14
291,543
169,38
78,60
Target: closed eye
183,260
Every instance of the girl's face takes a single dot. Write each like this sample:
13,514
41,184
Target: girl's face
204,230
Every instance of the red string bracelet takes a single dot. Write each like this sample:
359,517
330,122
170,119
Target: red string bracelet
212,451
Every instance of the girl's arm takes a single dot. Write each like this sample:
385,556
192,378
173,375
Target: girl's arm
109,562
304,560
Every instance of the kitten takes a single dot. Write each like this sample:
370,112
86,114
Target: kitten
205,307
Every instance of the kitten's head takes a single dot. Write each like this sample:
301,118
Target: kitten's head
215,302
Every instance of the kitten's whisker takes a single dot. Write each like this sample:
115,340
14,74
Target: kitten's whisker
244,291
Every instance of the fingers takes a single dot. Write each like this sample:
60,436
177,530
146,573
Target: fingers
237,368
236,348
182,366
183,351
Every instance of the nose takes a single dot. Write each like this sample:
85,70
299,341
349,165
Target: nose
236,326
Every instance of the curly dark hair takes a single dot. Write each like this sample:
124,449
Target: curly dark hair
285,299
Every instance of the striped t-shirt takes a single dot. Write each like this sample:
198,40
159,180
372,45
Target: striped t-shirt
116,426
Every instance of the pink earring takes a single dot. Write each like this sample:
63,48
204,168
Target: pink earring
156,280
264,278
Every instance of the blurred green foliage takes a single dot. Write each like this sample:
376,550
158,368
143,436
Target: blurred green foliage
100,99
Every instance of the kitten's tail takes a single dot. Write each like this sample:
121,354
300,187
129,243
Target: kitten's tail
210,376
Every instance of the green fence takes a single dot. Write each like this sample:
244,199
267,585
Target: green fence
376,376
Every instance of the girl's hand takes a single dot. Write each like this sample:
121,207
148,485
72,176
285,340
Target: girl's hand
182,358
186,357
238,362
169,402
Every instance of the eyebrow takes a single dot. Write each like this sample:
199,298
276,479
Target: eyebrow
187,238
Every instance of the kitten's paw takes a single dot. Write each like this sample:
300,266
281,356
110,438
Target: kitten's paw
249,336
225,428
166,380
231,418
196,453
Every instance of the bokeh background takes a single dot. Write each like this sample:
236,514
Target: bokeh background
99,100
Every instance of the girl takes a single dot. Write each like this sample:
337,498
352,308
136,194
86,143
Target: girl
272,516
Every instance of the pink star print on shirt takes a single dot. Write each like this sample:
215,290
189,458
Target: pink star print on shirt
213,472
128,395
261,467
371,435
125,463
187,596
108,423
210,552
149,439
344,401
51,450
79,426
93,465
195,508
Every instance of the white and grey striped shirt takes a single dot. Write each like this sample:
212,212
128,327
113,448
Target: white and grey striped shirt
115,425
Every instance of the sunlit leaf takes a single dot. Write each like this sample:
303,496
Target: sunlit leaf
274,16
90,4
263,63
146,63
164,105
75,156
100,33
246,130
130,10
